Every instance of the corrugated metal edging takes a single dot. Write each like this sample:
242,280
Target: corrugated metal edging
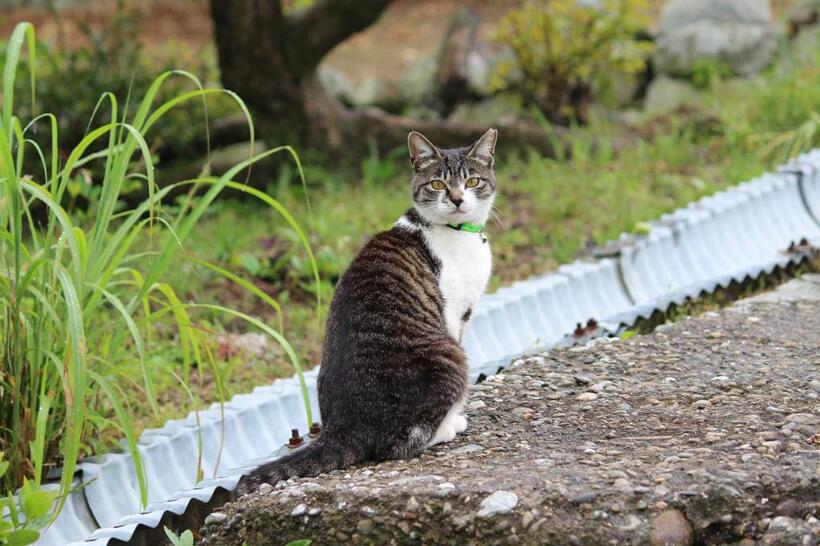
727,237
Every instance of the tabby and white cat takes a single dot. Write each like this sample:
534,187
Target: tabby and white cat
394,375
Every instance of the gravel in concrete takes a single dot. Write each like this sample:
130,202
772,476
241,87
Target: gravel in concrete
706,431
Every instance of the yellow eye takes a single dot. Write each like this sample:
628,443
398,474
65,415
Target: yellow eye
437,185
471,182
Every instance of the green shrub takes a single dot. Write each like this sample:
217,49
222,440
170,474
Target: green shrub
708,72
566,51
73,80
32,503
78,303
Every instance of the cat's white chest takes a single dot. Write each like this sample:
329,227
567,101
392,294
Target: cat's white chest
466,264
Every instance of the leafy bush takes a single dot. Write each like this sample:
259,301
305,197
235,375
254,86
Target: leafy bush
566,50
78,303
74,78
708,72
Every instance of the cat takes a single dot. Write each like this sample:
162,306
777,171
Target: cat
394,375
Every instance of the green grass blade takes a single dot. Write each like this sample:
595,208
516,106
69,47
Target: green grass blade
23,32
124,419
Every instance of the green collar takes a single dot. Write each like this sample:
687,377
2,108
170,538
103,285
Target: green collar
466,226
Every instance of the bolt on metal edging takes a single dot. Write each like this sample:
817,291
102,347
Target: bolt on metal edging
692,238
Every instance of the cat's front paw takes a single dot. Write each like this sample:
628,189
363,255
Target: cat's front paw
459,423
445,433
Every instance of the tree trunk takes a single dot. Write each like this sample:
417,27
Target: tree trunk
269,59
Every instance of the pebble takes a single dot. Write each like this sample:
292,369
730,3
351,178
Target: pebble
314,511
265,488
299,510
499,502
365,526
312,487
469,448
526,519
767,436
781,523
632,523
670,528
582,379
712,437
802,418
622,483
600,387
478,404
523,411
587,396
412,504
215,517
701,404
443,489
584,497
367,511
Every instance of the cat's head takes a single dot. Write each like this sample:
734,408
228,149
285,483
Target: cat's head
453,186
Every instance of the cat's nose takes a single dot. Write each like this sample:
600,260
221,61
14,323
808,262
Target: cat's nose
457,201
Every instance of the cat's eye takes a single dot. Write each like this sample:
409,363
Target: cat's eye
438,185
471,182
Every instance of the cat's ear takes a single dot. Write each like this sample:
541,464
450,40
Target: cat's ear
421,149
483,150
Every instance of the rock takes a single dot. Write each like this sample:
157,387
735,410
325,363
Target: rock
215,517
336,83
712,437
600,387
368,511
736,33
478,73
418,85
584,497
803,14
670,528
265,488
412,504
365,526
251,343
582,379
622,483
499,502
587,396
370,91
523,411
299,510
666,94
803,419
469,448
487,110
781,523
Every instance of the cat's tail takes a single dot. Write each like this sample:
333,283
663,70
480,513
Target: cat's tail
322,455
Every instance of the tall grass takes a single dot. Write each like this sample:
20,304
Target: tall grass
77,302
